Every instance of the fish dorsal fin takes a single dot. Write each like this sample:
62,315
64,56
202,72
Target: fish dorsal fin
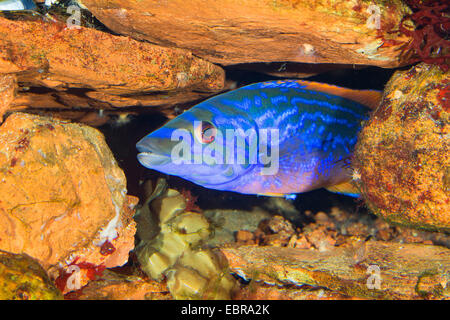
346,188
369,98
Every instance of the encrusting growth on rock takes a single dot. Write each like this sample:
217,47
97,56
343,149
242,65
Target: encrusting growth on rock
402,154
57,176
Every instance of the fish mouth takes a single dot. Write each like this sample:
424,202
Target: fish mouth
153,152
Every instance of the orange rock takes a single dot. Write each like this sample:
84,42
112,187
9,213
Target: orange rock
302,243
8,87
245,237
117,287
321,238
51,55
232,32
338,214
63,196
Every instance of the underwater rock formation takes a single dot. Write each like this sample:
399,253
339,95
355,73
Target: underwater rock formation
63,195
23,278
402,162
262,291
170,247
375,269
230,32
88,68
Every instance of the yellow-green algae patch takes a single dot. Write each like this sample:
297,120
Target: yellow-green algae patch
171,247
23,278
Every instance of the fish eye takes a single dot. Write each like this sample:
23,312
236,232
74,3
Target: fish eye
206,132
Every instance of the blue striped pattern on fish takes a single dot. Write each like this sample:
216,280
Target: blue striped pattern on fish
317,133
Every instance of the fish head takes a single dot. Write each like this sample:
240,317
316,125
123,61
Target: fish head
202,145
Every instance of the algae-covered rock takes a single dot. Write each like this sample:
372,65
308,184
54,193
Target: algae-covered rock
63,195
261,291
373,269
234,32
23,278
403,152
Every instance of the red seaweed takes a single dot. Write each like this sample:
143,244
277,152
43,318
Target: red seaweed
93,271
430,37
107,248
190,201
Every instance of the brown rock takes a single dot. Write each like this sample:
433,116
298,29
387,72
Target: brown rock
245,237
385,231
278,224
384,234
258,291
232,32
338,214
113,286
57,100
99,68
382,270
63,196
321,217
278,231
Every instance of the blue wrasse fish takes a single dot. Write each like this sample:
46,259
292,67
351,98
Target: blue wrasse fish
271,138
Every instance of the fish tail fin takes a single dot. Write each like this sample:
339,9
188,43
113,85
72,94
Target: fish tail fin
369,98
345,188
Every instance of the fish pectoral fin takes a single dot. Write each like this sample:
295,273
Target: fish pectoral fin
345,188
